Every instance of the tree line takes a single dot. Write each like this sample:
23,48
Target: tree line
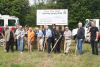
78,10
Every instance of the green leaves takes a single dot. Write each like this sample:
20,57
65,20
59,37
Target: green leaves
78,10
19,8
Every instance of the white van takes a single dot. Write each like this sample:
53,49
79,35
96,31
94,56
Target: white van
11,21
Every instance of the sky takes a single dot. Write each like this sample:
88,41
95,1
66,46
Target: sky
31,2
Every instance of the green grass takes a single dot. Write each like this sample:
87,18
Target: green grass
41,59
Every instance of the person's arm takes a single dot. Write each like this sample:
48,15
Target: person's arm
2,35
23,34
70,35
16,33
89,34
83,34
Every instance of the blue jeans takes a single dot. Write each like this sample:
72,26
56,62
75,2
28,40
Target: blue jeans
49,44
79,45
94,46
20,44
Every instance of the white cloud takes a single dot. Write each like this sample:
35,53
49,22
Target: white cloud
31,2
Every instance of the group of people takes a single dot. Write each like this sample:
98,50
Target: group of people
18,38
48,38
93,37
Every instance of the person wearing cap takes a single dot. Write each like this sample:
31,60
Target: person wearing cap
67,40
80,37
31,36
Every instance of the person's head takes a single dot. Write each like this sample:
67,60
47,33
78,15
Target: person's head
46,27
57,28
80,24
41,27
17,25
36,29
6,27
20,27
30,29
93,24
66,28
11,29
53,26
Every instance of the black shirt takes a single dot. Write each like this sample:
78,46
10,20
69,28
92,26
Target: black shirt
93,31
53,33
81,33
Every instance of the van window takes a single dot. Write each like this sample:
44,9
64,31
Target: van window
1,22
11,22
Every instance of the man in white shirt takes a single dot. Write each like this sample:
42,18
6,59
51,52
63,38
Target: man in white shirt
48,36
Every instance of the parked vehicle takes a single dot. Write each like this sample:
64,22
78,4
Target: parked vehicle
11,21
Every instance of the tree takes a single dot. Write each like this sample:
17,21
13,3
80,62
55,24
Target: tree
19,8
78,10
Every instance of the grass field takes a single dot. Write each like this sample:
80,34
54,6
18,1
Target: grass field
41,59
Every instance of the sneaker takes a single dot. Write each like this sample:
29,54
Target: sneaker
21,52
49,55
5,50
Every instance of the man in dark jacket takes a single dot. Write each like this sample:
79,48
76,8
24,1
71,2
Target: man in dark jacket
93,38
80,37
58,37
53,39
11,40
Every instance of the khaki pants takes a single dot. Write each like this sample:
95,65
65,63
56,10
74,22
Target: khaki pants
67,44
40,43
30,46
